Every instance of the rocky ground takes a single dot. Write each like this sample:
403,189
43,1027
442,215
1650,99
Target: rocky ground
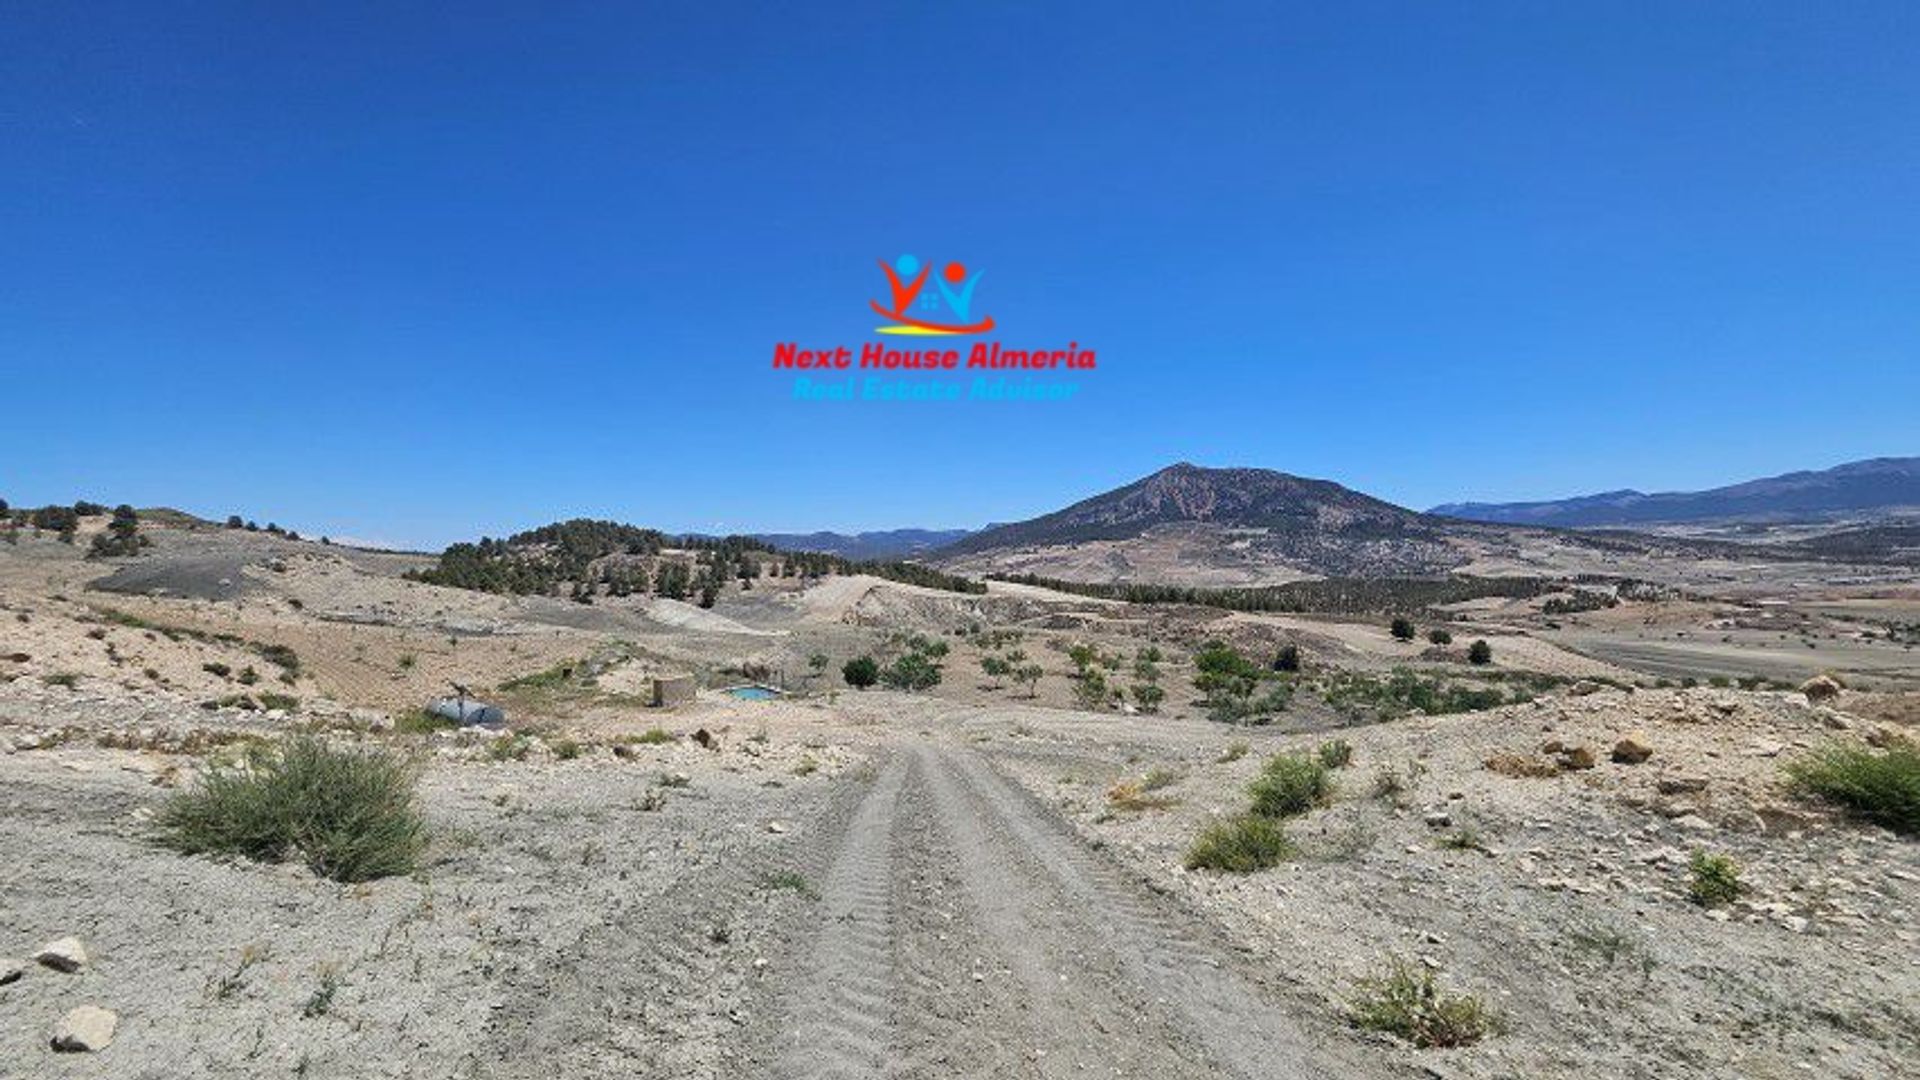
967,883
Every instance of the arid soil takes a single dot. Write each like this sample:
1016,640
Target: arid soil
920,885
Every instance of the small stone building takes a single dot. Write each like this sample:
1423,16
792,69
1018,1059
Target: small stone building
669,690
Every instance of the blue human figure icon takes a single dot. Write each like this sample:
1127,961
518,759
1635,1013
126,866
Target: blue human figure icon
960,301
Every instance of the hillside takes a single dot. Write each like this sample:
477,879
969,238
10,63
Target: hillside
1192,525
884,544
1247,498
1873,487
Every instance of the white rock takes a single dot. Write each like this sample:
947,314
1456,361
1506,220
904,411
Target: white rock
85,1029
66,954
11,969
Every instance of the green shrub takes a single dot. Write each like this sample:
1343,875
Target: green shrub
860,672
1716,879
1882,788
351,814
914,671
422,722
1480,653
791,881
1405,1001
651,737
1240,845
557,675
1335,753
1290,784
1148,696
510,748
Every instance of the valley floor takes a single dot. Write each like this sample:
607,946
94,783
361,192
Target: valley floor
985,880
896,885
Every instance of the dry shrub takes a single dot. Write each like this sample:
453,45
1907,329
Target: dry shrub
1522,765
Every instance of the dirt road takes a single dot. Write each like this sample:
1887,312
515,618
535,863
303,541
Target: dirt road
965,932
929,919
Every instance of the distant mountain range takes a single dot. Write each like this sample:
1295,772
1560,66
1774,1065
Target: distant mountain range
1874,487
1190,525
887,544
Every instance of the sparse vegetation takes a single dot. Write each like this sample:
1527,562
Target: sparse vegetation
1404,691
545,679
1290,784
422,722
350,814
320,1002
122,536
510,748
1148,696
1406,1001
1335,753
911,672
1232,685
1240,845
1333,595
860,672
225,985
1715,879
1883,788
789,881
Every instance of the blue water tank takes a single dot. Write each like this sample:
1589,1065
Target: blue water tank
468,713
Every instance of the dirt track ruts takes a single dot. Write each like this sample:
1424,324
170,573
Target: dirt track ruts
965,932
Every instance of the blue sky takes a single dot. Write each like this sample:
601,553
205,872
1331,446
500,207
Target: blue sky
417,273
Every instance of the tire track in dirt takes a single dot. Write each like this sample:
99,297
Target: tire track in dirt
840,1023
662,985
1081,1010
1236,1027
960,1018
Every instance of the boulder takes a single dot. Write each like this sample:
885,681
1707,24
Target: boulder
1680,785
11,969
66,954
1576,757
1632,750
85,1029
1821,688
